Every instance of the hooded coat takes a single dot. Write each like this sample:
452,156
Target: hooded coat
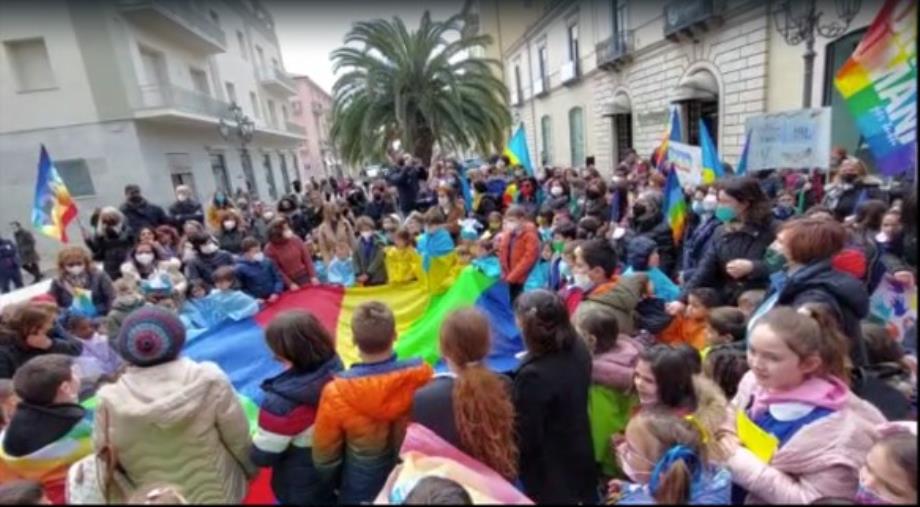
180,423
112,246
143,214
620,297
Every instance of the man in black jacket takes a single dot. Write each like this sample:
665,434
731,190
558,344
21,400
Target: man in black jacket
405,178
139,213
185,208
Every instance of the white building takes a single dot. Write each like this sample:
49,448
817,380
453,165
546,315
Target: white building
131,91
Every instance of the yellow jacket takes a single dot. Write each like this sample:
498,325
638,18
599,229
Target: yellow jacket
403,264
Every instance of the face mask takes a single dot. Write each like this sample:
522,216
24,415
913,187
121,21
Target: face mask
725,214
229,224
565,271
76,270
865,496
443,202
697,207
556,191
639,210
268,216
881,237
182,197
774,260
583,281
136,198
144,258
510,226
209,248
259,257
710,202
367,235
558,247
220,198
288,233
848,178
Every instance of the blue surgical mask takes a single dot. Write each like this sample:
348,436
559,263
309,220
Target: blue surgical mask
697,207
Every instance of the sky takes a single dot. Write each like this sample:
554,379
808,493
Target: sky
309,30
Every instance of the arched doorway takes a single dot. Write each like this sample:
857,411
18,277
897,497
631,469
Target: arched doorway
697,96
620,113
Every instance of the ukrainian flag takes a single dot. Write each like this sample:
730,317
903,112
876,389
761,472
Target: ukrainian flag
516,150
712,166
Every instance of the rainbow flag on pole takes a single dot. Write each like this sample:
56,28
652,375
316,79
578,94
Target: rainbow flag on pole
675,207
517,152
879,84
712,166
660,155
53,208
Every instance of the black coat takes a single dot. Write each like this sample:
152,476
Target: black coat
377,209
231,241
660,232
846,297
487,204
845,204
202,267
99,284
33,427
181,211
433,407
556,462
112,249
14,352
143,214
745,242
406,179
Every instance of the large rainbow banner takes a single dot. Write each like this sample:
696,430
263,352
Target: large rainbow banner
879,83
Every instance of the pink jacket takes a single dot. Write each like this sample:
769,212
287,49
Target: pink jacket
616,367
821,460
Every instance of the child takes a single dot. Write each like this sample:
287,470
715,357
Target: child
23,493
725,324
28,334
691,326
749,300
158,290
403,263
173,269
560,272
464,256
518,250
495,224
208,257
98,362
414,224
611,397
889,475
798,433
158,494
369,255
642,257
259,277
390,224
484,258
434,490
665,458
8,402
887,360
230,303
363,410
127,299
436,247
49,430
287,413
726,365
341,269
539,275
545,226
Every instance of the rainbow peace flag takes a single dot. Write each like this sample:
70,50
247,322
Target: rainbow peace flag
675,207
53,208
660,155
879,84
517,152
712,166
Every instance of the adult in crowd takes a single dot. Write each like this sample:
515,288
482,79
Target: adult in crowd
170,419
405,177
290,254
168,239
219,202
559,197
111,242
379,206
185,208
30,330
452,208
648,220
142,262
232,231
313,210
28,254
733,263
288,209
9,266
853,184
208,257
78,277
696,241
333,230
140,213
529,197
484,204
596,200
551,401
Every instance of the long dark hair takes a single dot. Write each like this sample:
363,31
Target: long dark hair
544,322
747,190
673,376
299,337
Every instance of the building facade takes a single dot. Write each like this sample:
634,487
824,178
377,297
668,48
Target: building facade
591,78
312,110
133,91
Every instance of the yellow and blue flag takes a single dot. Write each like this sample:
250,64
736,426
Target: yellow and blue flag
712,166
516,150
53,208
742,162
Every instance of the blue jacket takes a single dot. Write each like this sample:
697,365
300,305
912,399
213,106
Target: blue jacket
696,244
202,267
259,279
283,439
9,256
341,272
538,277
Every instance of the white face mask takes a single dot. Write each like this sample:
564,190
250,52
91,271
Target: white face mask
288,233
510,226
443,202
209,248
229,224
556,191
268,216
76,270
367,234
144,258
259,257
583,281
182,197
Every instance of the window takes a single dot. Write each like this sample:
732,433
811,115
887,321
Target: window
275,64
517,82
31,64
246,160
214,17
269,175
708,111
546,136
284,113
260,58
242,43
577,136
622,124
619,18
76,176
272,113
231,92
200,81
543,62
296,107
180,170
573,43
255,105
285,177
219,170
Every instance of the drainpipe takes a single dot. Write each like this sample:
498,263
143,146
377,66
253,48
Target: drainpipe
533,103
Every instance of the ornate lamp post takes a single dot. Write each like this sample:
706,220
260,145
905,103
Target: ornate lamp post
240,128
801,20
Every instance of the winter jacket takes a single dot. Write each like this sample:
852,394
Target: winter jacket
14,352
232,240
712,487
616,367
379,208
9,257
260,279
598,208
403,264
369,259
341,272
611,398
360,422
111,247
659,231
727,244
25,241
293,259
100,286
143,214
41,442
518,251
620,297
406,179
556,462
843,198
202,267
685,330
822,459
121,308
284,436
179,423
538,277
182,211
696,244
328,237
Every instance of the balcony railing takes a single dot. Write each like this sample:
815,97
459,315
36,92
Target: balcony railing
616,50
178,19
277,81
686,17
169,96
295,128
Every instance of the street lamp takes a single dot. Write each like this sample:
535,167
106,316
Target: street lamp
241,128
800,20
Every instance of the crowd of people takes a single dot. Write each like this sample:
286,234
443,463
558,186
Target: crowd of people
733,362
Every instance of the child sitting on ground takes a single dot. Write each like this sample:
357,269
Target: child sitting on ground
258,276
230,303
726,365
725,324
403,263
362,411
127,299
642,257
691,326
99,362
341,269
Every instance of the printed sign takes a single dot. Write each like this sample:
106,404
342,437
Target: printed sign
688,162
799,139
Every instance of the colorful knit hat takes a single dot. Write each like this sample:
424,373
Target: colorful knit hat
151,335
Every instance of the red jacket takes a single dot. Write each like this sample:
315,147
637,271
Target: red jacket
294,260
518,252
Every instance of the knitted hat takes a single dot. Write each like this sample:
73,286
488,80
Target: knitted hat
151,335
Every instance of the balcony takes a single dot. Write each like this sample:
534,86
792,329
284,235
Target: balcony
176,20
294,128
277,81
172,103
616,51
570,72
688,19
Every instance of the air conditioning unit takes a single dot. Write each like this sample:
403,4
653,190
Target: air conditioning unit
538,87
569,72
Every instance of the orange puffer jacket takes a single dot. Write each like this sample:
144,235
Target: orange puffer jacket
518,253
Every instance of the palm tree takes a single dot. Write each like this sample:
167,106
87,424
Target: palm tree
418,88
